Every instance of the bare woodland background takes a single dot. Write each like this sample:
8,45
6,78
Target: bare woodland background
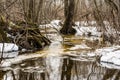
43,11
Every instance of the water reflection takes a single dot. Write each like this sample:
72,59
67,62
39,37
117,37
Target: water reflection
2,73
31,76
112,74
59,68
67,69
57,65
53,67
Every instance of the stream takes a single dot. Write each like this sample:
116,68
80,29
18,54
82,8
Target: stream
67,58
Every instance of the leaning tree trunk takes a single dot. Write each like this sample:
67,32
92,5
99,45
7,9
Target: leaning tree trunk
69,6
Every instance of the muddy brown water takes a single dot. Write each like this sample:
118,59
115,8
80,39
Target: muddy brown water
62,61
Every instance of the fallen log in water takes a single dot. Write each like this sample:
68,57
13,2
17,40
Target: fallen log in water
25,35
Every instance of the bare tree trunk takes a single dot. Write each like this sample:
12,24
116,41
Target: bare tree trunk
31,11
119,12
69,6
3,36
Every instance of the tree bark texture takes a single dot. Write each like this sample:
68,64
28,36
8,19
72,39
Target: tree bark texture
69,6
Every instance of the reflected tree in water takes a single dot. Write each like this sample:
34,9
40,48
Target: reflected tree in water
66,69
111,74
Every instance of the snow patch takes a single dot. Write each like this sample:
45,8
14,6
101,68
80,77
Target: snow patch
53,24
80,27
86,31
110,66
110,54
8,47
56,24
9,50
